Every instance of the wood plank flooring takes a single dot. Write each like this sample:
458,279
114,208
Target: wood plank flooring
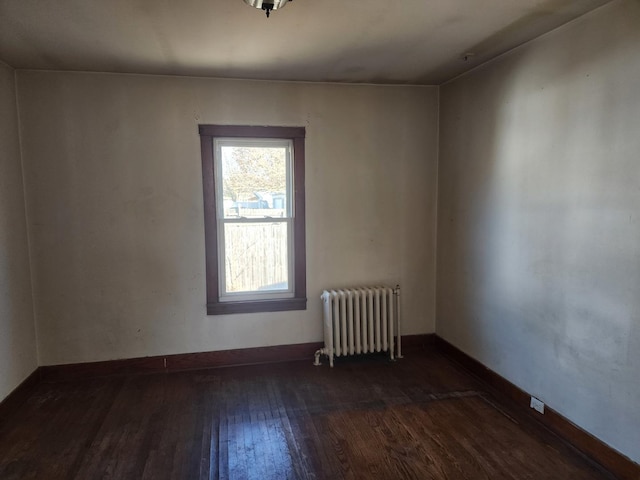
419,418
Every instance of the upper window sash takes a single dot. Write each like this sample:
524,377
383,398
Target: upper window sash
220,143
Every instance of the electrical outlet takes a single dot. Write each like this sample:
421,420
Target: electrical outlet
537,405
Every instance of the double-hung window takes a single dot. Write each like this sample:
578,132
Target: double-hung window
253,179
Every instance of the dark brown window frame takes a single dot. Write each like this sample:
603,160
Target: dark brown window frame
299,300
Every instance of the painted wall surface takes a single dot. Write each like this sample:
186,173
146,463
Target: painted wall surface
18,353
114,201
539,220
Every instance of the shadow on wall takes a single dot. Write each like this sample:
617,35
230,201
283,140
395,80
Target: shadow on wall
15,286
18,356
537,258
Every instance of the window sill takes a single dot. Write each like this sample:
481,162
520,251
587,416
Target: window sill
255,306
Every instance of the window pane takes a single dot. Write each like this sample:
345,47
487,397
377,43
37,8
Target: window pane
254,181
256,257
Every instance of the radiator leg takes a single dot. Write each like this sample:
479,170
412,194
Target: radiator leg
399,349
316,360
323,351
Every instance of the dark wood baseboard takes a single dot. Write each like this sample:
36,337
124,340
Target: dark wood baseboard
194,361
182,361
19,395
416,342
612,460
243,356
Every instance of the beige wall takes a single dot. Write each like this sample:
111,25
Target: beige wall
18,353
114,201
539,224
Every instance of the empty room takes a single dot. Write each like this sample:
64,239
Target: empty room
253,239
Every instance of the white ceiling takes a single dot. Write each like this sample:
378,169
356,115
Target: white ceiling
372,41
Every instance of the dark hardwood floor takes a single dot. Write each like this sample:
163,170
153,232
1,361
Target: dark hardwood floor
419,418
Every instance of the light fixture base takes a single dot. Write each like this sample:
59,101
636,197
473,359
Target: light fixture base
267,5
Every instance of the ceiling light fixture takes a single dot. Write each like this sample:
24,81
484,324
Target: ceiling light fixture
267,5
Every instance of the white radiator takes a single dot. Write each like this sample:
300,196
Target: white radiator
360,320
